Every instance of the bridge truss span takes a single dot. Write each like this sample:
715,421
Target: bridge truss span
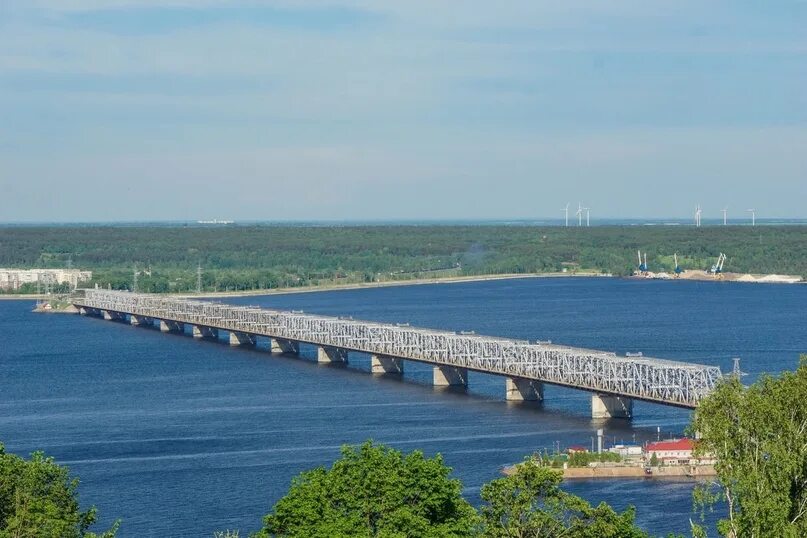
667,382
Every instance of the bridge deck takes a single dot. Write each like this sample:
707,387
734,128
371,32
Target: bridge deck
667,382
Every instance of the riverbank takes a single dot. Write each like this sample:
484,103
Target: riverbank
47,308
635,471
632,471
703,276
354,285
387,284
688,275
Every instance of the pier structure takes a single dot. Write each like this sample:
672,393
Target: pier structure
614,381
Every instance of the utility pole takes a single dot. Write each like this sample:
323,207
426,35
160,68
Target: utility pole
199,278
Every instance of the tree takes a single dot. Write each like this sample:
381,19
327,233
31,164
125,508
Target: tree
530,504
759,438
38,500
654,460
373,491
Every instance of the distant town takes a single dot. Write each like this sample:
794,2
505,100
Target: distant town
15,279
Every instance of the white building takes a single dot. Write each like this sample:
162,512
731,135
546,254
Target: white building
13,279
627,451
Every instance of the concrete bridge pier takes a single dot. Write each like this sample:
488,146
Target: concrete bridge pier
111,315
518,389
610,406
383,364
242,339
168,326
329,354
207,333
287,347
450,376
140,320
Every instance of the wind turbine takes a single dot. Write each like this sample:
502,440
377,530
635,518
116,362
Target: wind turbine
698,212
566,211
753,216
588,216
579,214
725,211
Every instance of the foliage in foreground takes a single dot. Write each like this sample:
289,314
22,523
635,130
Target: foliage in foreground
38,500
759,435
530,503
375,491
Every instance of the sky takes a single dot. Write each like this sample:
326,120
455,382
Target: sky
379,110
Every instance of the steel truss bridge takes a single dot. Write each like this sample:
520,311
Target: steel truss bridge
615,381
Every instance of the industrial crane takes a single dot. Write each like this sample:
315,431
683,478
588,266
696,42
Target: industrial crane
717,267
642,265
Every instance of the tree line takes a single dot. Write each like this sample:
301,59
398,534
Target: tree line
268,256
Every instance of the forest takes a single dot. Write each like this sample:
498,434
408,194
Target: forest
242,257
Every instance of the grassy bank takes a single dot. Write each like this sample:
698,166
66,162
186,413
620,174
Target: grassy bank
336,287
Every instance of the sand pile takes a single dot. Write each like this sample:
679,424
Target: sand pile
787,279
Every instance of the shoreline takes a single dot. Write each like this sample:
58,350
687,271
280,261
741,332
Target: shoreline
352,286
388,284
693,276
693,472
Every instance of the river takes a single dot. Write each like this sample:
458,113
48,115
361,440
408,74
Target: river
180,437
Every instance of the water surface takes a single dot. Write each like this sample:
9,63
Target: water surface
180,437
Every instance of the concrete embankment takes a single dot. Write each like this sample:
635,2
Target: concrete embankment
58,309
632,471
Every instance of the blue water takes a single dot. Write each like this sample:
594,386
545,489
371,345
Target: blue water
180,437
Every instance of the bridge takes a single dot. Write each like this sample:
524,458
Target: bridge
614,381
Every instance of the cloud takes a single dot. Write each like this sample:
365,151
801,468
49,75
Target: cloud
405,109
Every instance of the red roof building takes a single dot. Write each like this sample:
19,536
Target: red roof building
677,449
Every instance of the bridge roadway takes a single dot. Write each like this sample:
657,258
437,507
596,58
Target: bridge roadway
614,381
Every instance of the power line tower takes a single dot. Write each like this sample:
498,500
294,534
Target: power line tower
736,372
199,278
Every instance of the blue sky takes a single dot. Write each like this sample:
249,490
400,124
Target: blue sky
359,109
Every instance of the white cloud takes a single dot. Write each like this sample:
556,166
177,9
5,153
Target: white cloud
383,121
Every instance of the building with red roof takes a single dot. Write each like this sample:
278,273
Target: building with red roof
675,451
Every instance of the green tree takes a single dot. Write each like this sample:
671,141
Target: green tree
373,491
759,436
654,460
530,504
38,500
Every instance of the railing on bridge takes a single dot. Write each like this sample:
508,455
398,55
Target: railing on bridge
662,381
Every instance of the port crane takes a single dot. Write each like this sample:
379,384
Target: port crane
642,264
678,269
717,267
